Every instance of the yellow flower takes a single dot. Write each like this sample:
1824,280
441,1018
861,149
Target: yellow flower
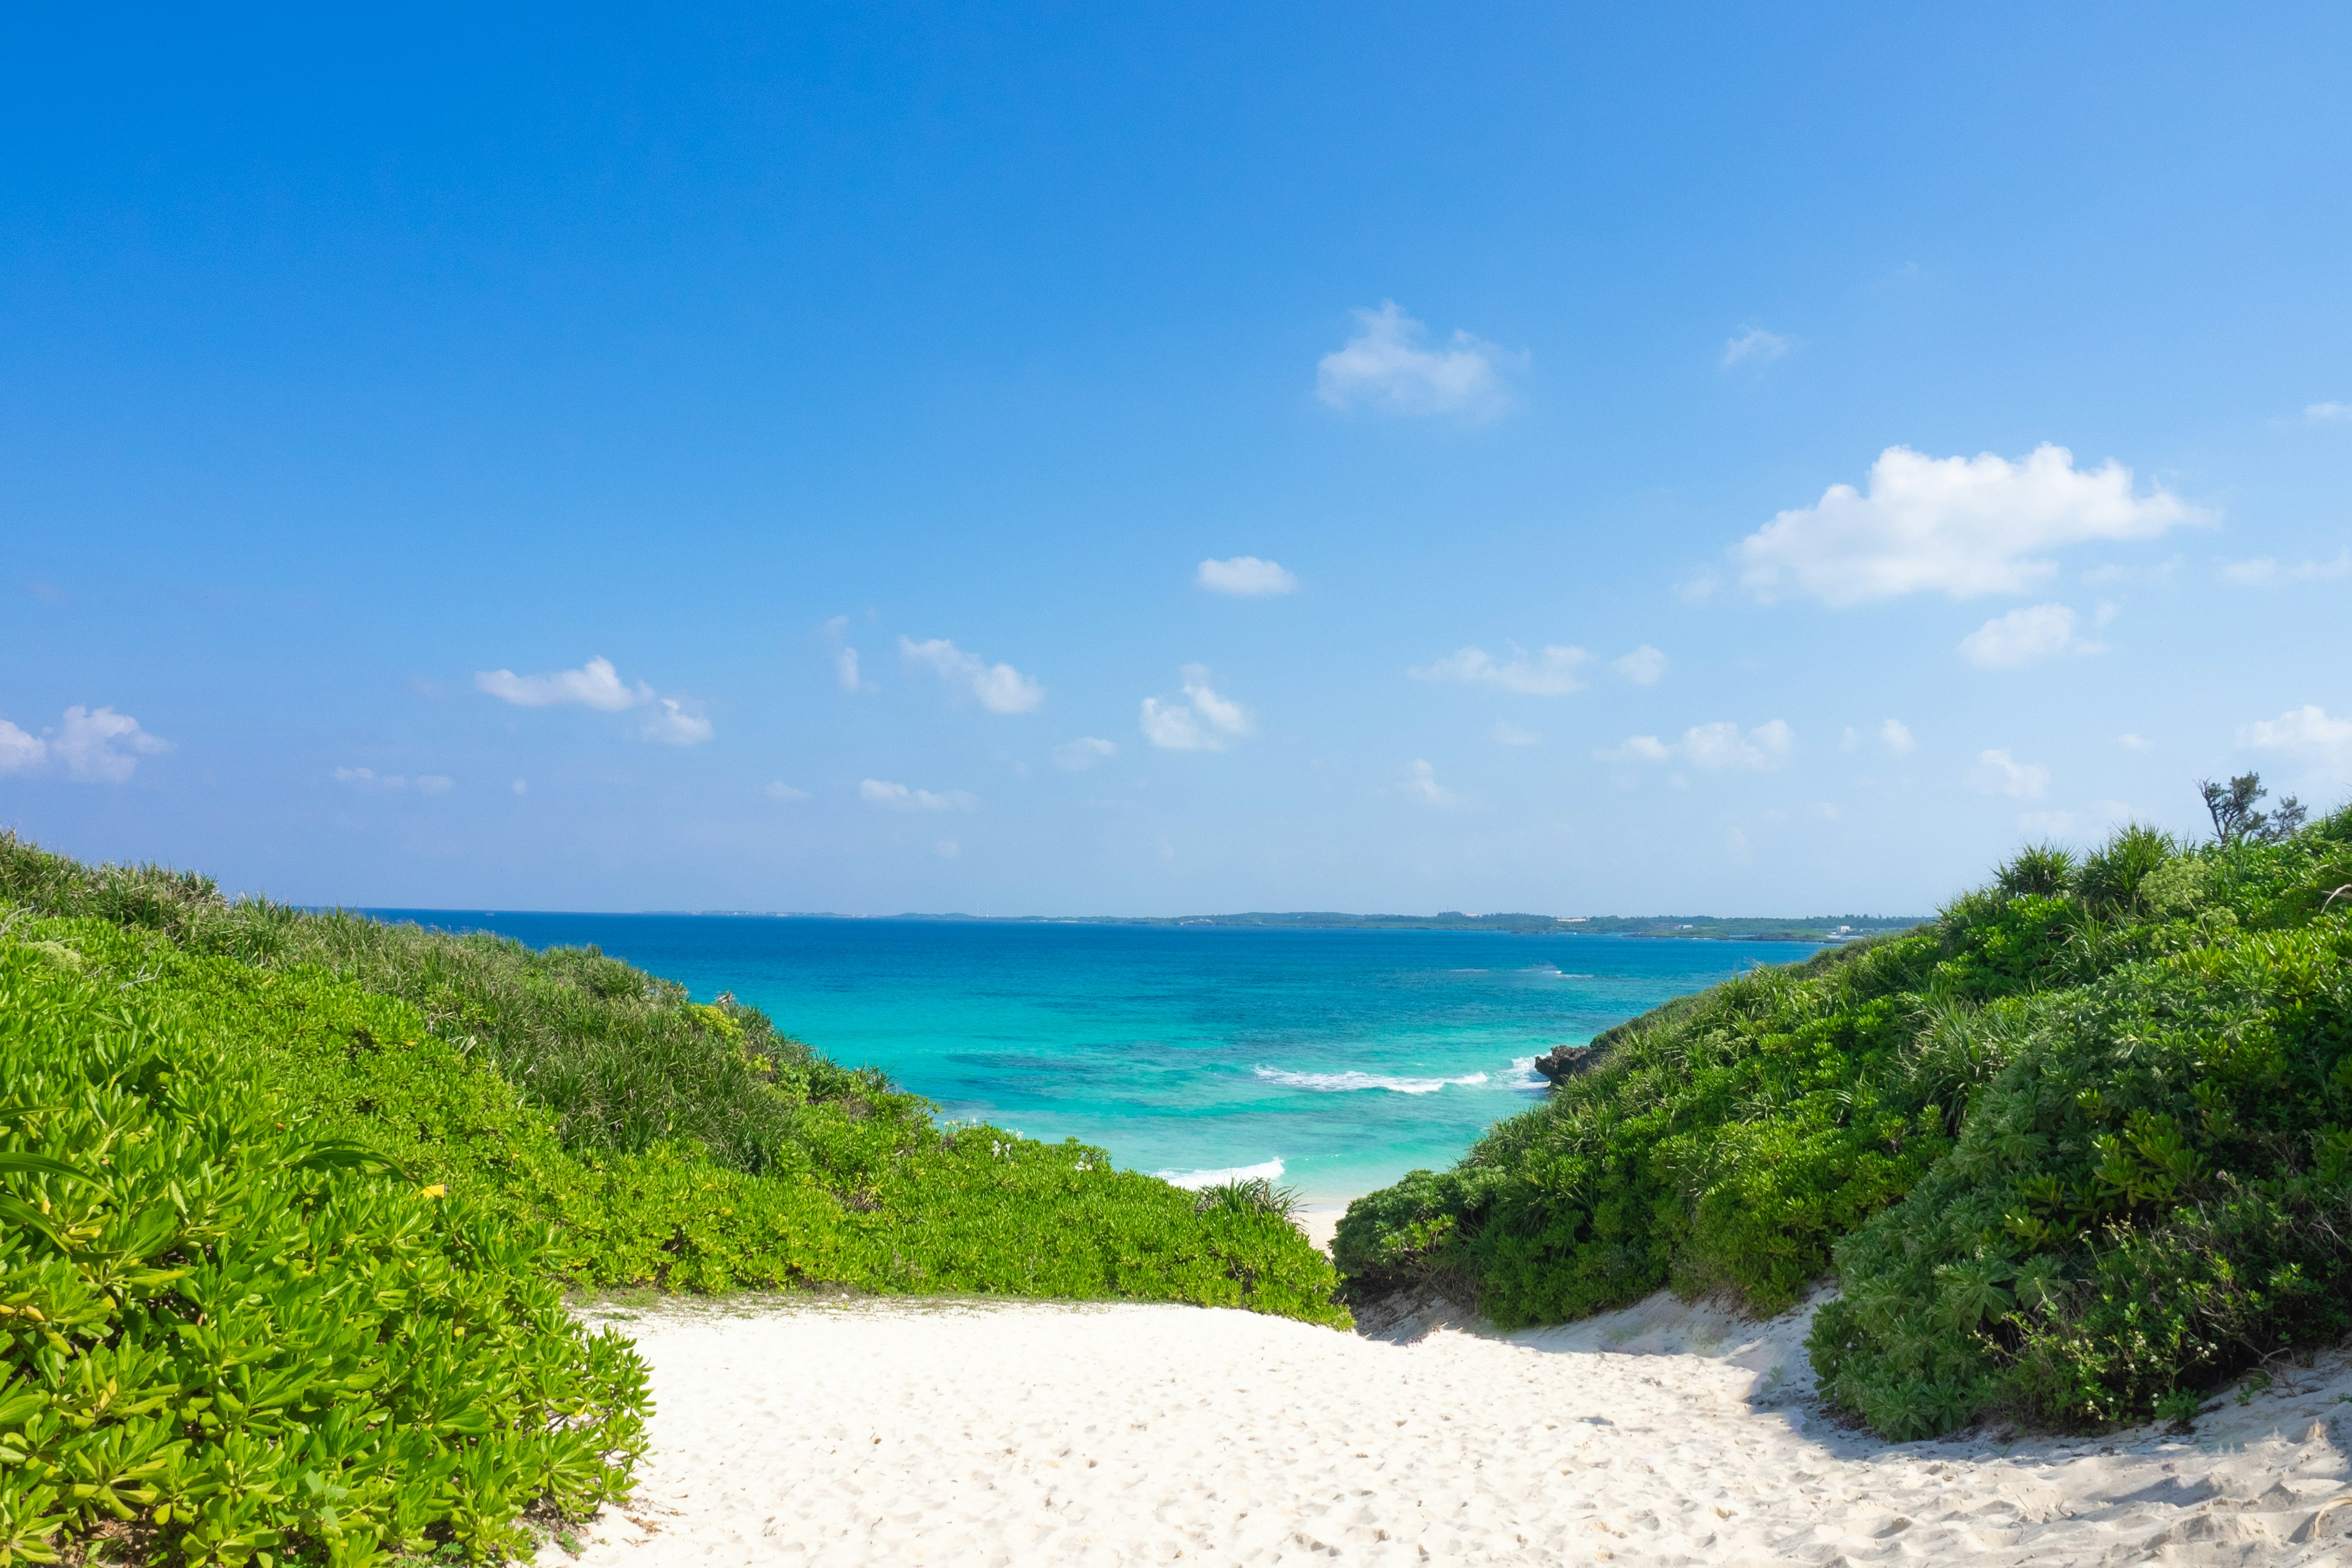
437,1190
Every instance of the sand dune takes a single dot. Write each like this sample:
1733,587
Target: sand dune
1026,1433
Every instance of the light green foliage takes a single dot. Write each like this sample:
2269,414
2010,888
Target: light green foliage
2080,1149
227,1339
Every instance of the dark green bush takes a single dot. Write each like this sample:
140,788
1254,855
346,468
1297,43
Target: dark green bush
2077,1151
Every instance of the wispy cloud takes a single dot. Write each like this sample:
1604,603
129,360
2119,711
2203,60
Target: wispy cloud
1510,734
1388,367
2264,572
1998,773
1245,575
881,792
1420,783
1754,345
1204,722
675,723
1082,753
1552,672
780,790
596,684
2327,413
999,688
1957,526
92,745
1642,666
2023,636
424,783
1716,746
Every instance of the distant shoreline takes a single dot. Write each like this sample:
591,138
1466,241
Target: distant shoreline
1703,928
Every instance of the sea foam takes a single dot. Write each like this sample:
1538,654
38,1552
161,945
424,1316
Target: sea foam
1344,1082
1271,1171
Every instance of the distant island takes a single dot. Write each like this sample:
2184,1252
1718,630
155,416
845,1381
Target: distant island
1714,927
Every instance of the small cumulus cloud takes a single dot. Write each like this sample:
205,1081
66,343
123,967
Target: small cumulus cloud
1957,526
2025,636
1245,575
2131,742
881,792
1389,367
675,723
1754,345
780,790
1420,783
1204,722
1998,773
1552,672
1895,736
92,745
1716,746
844,671
2306,732
1084,752
1642,666
999,688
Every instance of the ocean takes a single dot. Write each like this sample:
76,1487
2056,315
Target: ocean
1334,1061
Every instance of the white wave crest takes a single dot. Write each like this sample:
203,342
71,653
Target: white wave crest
1343,1082
1524,1074
1193,1181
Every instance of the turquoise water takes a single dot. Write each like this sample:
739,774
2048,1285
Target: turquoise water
1336,1061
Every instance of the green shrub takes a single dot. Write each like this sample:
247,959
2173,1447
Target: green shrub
2077,1151
226,1340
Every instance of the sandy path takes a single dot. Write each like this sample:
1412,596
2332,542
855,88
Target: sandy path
997,1434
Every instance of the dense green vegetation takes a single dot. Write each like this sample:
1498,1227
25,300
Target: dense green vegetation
371,1154
2077,1152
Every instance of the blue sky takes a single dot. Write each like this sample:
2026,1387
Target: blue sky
1357,457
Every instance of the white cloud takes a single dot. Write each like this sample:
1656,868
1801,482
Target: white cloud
1204,722
2306,732
523,786
844,671
2131,742
1957,526
1998,773
1245,575
1895,736
1082,753
1386,366
1642,666
675,723
1718,746
435,784
1510,734
2327,413
780,790
947,849
883,792
2264,571
18,750
96,746
424,783
2017,638
1551,673
1420,783
1754,344
999,688
596,684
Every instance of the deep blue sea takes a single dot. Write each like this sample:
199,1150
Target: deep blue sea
1335,1059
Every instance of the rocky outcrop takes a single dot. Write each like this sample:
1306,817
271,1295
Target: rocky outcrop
1564,1062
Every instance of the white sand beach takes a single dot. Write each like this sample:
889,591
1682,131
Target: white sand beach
985,1433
